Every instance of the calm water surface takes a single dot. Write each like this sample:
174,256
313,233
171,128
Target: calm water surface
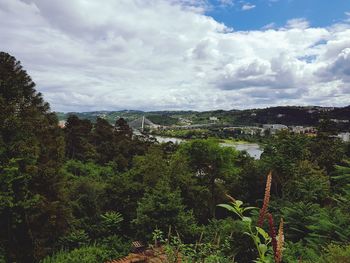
253,149
162,139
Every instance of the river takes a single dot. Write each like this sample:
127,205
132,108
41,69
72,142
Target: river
253,149
162,139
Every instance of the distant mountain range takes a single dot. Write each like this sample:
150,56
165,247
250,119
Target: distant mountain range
287,115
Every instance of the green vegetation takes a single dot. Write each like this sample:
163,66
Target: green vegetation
84,192
287,115
162,119
185,134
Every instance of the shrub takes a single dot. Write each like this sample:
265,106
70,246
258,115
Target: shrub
298,251
337,254
111,221
75,239
90,254
115,246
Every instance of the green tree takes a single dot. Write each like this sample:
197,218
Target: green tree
182,177
150,168
103,141
33,211
86,201
161,208
125,145
122,129
309,184
326,151
340,180
313,225
87,254
282,155
336,253
122,192
78,139
212,166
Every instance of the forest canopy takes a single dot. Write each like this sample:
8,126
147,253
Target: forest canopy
84,192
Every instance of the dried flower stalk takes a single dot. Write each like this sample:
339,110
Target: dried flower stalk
263,210
230,198
280,242
272,232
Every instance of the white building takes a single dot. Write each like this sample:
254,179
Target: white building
344,136
340,121
273,128
62,124
302,129
184,121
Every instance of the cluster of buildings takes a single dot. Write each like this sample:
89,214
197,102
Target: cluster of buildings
297,129
266,129
271,129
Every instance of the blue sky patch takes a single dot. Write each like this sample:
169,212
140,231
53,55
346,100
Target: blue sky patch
257,14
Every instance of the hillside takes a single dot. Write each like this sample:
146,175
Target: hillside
287,115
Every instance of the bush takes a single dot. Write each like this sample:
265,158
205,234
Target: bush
298,251
115,246
90,254
230,231
337,254
110,222
2,255
162,208
75,239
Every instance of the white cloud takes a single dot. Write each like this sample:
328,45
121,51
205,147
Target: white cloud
269,26
300,23
347,19
226,2
248,6
169,55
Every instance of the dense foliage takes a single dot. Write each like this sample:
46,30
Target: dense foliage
84,192
287,115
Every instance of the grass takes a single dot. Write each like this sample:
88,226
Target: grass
233,141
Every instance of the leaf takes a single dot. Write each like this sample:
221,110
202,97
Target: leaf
248,234
232,209
263,233
238,203
250,208
262,248
256,239
228,207
246,219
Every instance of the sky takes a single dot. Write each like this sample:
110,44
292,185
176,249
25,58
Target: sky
87,55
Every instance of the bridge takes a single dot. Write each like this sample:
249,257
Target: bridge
142,123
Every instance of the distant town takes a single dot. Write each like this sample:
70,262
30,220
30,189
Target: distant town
253,122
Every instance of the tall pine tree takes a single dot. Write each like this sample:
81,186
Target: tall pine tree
33,213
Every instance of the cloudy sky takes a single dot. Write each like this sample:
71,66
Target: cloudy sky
89,55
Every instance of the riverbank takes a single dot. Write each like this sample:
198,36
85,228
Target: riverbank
253,149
